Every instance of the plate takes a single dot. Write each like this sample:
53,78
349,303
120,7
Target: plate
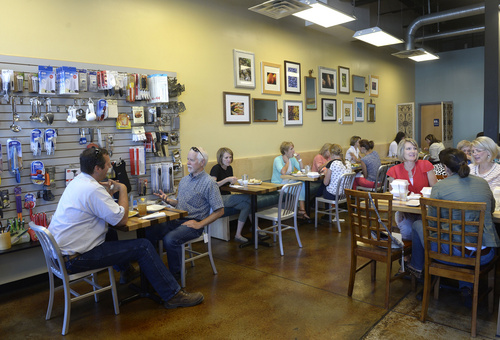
132,213
413,203
155,208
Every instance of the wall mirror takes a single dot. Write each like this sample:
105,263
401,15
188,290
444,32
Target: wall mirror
310,93
265,110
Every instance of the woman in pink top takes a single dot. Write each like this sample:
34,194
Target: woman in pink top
418,173
322,158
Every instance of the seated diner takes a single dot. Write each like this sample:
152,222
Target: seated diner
369,165
484,152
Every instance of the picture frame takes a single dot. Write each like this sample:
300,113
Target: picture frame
370,112
293,112
406,118
373,86
265,110
271,78
311,99
328,110
344,80
347,112
236,108
359,109
292,77
327,80
358,84
244,69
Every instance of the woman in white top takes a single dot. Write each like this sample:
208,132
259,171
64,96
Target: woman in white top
435,147
352,154
484,151
336,169
393,147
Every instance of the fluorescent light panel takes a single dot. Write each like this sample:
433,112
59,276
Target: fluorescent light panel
424,57
377,37
324,15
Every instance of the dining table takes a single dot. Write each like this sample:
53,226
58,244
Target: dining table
139,225
253,190
307,183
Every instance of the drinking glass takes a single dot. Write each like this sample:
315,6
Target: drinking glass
245,180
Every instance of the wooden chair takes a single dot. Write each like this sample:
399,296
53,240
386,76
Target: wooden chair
54,259
379,182
367,236
461,268
345,182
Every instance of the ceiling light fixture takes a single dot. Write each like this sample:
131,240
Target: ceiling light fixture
376,36
417,55
323,15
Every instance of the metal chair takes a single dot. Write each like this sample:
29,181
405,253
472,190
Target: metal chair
465,233
54,259
379,182
193,254
287,208
367,236
344,182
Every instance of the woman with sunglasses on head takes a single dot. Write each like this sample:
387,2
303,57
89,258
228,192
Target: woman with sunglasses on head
222,172
484,152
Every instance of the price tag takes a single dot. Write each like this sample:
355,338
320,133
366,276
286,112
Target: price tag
205,237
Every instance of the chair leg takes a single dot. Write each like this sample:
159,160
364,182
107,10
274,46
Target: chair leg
316,214
475,292
94,280
183,266
374,270
67,307
491,287
190,247
436,288
51,296
210,255
297,231
498,320
280,238
426,295
114,293
388,282
337,217
255,233
352,275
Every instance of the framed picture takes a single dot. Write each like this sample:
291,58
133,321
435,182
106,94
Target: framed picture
293,112
358,84
292,77
370,112
265,110
236,108
271,78
344,80
329,109
327,80
359,109
406,119
244,69
310,83
347,112
373,86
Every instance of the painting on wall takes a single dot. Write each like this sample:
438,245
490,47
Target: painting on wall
271,78
347,112
236,108
310,93
358,84
406,119
344,80
373,86
371,113
293,112
292,77
265,110
327,80
244,69
359,109
329,109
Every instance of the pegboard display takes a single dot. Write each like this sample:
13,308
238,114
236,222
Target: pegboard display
31,112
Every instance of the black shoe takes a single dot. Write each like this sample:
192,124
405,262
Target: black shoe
128,275
184,299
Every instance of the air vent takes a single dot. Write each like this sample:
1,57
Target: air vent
278,9
409,53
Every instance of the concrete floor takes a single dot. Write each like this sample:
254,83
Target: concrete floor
257,294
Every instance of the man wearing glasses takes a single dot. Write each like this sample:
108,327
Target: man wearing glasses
79,228
199,195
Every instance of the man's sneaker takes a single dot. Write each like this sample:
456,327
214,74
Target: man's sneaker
128,275
184,299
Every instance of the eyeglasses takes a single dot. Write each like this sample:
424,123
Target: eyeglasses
97,152
195,149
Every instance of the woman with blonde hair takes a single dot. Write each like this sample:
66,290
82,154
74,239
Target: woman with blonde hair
466,147
334,171
484,152
322,158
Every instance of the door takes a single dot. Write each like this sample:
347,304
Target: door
436,119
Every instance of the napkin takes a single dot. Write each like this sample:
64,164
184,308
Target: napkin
236,186
413,196
152,216
313,174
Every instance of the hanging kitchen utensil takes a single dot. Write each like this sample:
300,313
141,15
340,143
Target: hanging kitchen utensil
36,142
19,202
90,113
49,116
15,117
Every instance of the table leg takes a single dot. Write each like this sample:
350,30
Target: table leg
142,291
307,197
253,210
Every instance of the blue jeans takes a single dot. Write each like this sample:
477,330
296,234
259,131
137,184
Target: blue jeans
174,234
140,250
239,202
418,253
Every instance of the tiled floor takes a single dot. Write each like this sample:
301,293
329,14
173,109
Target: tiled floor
258,294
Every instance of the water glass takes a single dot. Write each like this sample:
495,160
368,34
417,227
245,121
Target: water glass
403,194
245,180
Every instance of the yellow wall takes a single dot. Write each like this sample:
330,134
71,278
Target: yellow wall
196,38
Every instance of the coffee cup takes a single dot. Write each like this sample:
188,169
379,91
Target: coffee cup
5,241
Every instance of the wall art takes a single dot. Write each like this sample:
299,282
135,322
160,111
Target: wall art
271,78
327,80
292,77
329,109
244,69
236,108
293,112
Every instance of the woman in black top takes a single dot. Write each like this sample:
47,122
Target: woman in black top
222,172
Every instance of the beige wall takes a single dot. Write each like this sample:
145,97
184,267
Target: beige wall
196,39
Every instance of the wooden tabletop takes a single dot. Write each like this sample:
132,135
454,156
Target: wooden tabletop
253,189
135,222
303,178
